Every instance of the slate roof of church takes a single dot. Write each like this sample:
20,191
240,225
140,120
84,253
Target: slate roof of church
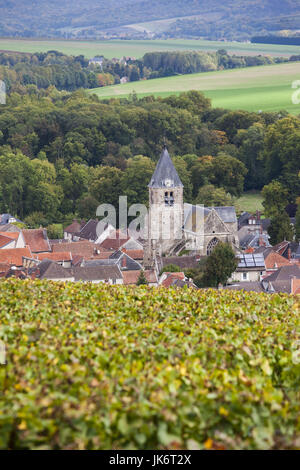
226,213
165,170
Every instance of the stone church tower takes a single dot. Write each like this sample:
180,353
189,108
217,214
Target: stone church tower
164,226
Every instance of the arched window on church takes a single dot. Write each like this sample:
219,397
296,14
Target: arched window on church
212,245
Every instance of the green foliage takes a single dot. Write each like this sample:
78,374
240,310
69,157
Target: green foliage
171,268
219,266
101,367
297,223
275,199
136,179
66,153
280,228
251,145
210,196
142,281
55,231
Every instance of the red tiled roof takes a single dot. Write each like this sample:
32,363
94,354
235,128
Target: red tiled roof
5,240
134,254
57,256
295,286
74,227
171,278
115,241
14,256
85,249
13,235
37,240
131,277
275,260
77,260
4,267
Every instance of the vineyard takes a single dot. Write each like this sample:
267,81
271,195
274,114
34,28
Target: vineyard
100,367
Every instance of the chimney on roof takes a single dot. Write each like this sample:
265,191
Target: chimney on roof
289,254
258,217
261,239
124,261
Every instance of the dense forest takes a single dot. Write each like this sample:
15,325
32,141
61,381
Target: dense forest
288,41
230,19
62,153
23,72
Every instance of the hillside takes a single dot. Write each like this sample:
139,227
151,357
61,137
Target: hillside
98,367
78,18
137,48
266,88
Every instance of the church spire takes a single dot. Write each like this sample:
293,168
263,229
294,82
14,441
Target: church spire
165,174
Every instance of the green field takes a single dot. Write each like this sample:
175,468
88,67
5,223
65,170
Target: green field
118,48
91,366
249,202
266,88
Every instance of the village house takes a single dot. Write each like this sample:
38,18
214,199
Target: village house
37,240
131,277
285,279
14,256
8,219
6,242
72,229
96,274
251,267
11,240
175,280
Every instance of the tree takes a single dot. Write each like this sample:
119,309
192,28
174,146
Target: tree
55,231
280,228
171,268
193,101
142,281
232,121
251,145
297,223
275,199
136,178
282,146
211,196
228,172
219,265
185,176
106,185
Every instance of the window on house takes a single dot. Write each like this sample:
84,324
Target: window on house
245,276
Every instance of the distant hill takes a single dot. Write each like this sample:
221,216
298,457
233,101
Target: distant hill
231,19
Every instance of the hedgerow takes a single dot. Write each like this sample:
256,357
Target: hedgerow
114,367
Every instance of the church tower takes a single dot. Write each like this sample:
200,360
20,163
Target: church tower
166,210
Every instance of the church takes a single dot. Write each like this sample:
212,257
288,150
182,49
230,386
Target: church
173,225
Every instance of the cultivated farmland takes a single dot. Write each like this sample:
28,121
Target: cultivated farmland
119,48
266,88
